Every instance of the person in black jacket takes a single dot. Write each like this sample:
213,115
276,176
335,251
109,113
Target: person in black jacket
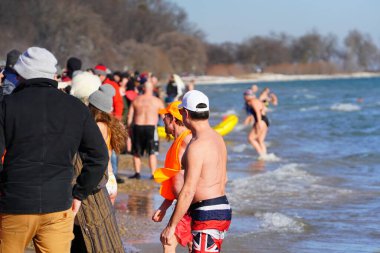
41,129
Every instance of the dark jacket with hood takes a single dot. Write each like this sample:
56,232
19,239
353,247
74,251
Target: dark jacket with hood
41,129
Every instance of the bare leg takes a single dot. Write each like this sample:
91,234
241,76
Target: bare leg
261,137
153,163
129,144
137,163
252,139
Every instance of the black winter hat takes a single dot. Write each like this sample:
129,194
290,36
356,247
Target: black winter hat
73,64
12,57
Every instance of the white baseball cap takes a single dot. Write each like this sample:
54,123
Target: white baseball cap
192,100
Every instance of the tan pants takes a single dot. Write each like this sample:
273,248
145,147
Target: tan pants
51,232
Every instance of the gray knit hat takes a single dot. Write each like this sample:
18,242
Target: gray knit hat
102,98
36,62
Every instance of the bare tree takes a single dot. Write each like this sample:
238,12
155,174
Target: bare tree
225,53
185,52
144,57
265,50
361,52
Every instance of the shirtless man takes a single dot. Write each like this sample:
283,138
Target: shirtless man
143,114
203,192
171,176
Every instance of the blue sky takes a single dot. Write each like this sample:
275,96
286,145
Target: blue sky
236,20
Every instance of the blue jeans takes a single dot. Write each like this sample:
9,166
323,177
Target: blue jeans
114,162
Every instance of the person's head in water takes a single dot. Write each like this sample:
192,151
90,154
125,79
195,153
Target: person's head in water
194,107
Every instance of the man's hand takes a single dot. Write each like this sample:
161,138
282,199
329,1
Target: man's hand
167,234
158,215
75,206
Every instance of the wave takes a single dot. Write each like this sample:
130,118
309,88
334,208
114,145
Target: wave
240,148
345,107
288,186
307,109
309,96
278,222
130,249
228,112
240,127
269,158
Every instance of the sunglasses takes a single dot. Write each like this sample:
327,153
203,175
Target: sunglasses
168,116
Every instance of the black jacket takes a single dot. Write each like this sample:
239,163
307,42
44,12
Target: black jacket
41,129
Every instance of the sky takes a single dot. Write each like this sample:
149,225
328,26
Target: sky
236,20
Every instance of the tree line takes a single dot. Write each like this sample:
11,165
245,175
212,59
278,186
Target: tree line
156,35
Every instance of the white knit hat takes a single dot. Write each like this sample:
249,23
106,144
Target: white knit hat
36,62
192,101
84,84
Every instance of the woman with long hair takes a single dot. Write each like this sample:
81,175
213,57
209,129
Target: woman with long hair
95,228
113,131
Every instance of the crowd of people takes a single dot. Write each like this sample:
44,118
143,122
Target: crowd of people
60,136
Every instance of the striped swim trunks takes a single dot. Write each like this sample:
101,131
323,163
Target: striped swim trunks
211,219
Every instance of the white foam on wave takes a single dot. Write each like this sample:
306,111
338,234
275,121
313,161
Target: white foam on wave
345,107
229,112
271,157
288,186
279,222
130,249
222,114
240,148
309,96
307,109
240,127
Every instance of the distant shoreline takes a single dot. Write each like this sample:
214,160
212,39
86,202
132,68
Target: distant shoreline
270,77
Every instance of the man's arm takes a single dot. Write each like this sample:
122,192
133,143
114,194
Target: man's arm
193,165
130,115
94,156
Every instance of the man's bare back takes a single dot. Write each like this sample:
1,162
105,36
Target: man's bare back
203,193
145,110
207,152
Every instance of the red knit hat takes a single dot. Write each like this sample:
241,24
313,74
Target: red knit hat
100,69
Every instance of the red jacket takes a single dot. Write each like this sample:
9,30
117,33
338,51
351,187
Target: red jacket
118,104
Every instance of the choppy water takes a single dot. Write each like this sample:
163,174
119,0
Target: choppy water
319,191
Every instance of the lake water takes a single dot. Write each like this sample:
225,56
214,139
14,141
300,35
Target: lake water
320,189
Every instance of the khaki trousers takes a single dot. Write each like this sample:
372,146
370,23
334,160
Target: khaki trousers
50,232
